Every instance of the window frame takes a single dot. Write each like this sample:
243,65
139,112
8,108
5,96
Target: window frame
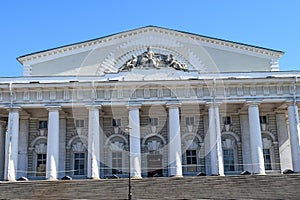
116,122
153,121
189,120
84,159
79,123
43,124
118,157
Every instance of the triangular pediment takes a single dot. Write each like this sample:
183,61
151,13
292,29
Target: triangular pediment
110,53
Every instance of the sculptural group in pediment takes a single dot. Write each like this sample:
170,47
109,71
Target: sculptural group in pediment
149,59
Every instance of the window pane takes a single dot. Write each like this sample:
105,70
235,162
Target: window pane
117,162
228,159
43,124
267,159
79,163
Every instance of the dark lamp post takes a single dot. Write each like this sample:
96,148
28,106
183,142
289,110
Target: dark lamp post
127,130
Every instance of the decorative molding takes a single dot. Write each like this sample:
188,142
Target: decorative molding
40,148
26,95
66,94
240,91
200,92
228,144
147,93
52,95
153,145
39,95
78,147
116,146
253,91
89,45
266,90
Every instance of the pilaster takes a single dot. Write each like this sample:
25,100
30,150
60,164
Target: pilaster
2,148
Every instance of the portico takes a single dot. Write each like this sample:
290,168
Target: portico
181,104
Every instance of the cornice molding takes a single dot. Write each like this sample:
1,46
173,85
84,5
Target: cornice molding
91,44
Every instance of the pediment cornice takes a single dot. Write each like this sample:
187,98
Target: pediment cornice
94,43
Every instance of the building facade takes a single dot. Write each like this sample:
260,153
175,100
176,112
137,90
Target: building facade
174,103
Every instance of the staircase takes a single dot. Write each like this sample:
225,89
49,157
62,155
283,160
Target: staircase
210,187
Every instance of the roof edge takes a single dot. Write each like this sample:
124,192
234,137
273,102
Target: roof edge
23,57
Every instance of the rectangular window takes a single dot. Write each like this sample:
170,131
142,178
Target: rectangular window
117,163
191,160
79,123
263,119
228,156
43,124
153,121
41,164
189,121
267,159
79,163
226,120
116,122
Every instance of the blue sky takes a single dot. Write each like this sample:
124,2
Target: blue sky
35,25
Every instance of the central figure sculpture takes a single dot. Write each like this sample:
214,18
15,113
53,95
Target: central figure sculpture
149,59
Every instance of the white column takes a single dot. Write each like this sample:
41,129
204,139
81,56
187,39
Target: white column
293,117
175,154
52,162
135,141
23,146
258,166
93,166
283,141
11,145
2,149
216,153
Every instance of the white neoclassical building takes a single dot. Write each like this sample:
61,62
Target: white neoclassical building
176,103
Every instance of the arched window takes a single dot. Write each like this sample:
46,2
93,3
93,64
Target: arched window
79,155
40,158
116,155
268,152
191,153
229,147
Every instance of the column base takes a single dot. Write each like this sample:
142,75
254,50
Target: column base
176,176
51,179
94,178
136,177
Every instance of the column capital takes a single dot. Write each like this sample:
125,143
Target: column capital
253,103
133,106
291,103
53,107
14,108
173,105
213,104
93,107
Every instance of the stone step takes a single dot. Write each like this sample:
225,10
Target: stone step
229,187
